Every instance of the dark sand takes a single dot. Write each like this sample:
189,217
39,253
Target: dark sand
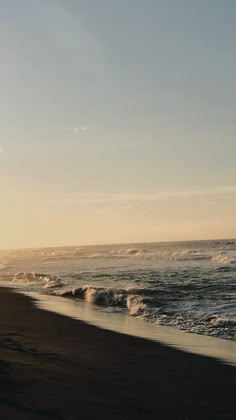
53,367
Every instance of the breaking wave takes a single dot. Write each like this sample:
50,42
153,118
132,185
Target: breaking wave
132,300
156,307
45,280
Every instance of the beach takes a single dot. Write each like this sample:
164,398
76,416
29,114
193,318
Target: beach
54,367
118,203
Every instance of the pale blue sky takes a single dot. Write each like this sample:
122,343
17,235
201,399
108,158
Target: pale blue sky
117,121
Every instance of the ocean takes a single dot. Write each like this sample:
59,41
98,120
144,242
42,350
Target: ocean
189,286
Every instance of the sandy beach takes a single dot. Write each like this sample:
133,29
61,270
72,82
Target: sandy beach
118,203
54,367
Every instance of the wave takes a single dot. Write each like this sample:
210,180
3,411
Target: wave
219,257
157,307
227,268
133,300
215,325
224,258
160,255
45,280
187,286
221,253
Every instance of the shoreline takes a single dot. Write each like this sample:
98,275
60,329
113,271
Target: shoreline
223,350
55,367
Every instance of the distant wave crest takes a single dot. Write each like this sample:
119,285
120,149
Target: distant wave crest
45,280
218,257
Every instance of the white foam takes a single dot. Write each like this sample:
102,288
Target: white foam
45,280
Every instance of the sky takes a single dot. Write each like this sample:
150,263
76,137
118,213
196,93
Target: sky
117,121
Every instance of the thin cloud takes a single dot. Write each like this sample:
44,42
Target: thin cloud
82,128
165,195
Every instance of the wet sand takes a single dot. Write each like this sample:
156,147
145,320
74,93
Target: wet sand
54,367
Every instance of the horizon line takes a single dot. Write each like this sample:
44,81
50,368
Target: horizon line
117,243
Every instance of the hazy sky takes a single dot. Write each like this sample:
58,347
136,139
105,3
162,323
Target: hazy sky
118,121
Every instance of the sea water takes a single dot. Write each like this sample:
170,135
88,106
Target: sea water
189,286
